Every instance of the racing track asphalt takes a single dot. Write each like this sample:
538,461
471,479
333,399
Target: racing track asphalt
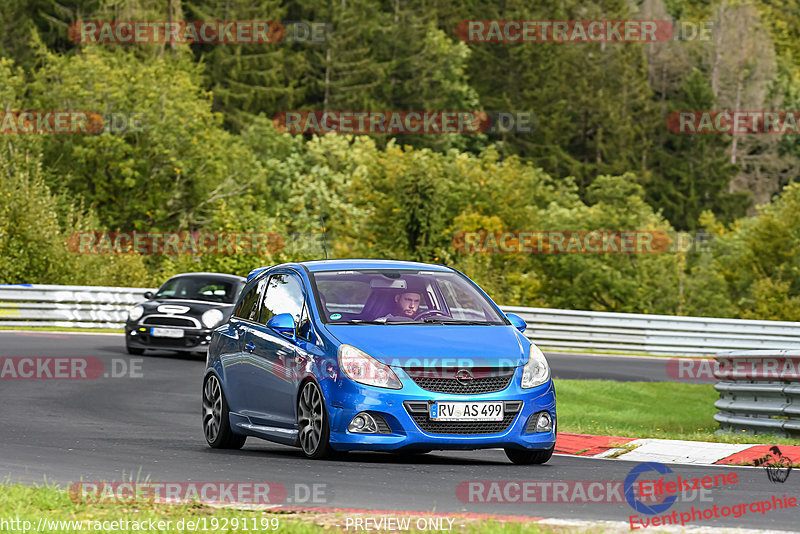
114,429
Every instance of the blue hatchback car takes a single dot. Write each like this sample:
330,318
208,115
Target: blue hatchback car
342,355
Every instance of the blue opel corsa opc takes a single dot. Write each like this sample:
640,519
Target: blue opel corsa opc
342,355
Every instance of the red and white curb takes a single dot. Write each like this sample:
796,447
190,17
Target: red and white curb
667,450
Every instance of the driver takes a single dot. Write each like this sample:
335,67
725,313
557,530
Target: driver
407,304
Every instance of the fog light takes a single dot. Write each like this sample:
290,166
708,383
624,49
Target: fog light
363,423
540,422
544,423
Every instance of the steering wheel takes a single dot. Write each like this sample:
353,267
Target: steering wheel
430,313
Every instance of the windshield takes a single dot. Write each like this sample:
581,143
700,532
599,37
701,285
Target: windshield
196,288
393,296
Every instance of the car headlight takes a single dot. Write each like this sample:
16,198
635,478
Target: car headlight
537,371
360,367
212,318
135,313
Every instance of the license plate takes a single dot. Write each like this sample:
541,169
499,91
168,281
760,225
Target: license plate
166,332
467,411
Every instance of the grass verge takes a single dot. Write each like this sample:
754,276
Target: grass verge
59,514
666,410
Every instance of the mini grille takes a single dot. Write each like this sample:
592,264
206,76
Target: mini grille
475,386
164,342
462,427
169,321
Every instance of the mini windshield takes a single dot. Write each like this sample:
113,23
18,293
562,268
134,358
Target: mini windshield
197,288
394,296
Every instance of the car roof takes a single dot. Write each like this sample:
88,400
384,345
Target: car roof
218,276
330,265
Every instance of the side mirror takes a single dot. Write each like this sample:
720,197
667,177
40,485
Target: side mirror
517,321
148,295
283,323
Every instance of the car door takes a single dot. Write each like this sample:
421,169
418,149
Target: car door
235,357
273,367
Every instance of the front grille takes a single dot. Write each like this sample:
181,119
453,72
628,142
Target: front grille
189,341
488,384
170,321
462,427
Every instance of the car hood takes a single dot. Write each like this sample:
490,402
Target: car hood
155,303
185,307
437,345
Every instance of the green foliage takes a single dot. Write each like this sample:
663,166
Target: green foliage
755,261
167,176
204,155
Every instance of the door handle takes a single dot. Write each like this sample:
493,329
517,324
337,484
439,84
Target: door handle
250,347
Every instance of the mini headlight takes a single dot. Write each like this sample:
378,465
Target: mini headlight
537,371
212,318
135,313
360,367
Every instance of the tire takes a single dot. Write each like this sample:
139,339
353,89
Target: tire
528,457
312,420
216,417
134,350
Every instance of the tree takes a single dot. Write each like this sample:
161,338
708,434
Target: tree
693,172
742,66
34,229
167,171
249,79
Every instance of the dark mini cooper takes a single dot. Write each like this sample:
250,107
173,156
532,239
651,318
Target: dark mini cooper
182,313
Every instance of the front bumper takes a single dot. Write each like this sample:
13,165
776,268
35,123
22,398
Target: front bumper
414,430
193,340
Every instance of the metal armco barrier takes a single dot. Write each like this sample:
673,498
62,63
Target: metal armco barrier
653,334
759,391
74,306
106,307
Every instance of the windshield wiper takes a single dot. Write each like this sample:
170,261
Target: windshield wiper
382,320
360,321
456,321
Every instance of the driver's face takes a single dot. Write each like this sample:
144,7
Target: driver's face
408,303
